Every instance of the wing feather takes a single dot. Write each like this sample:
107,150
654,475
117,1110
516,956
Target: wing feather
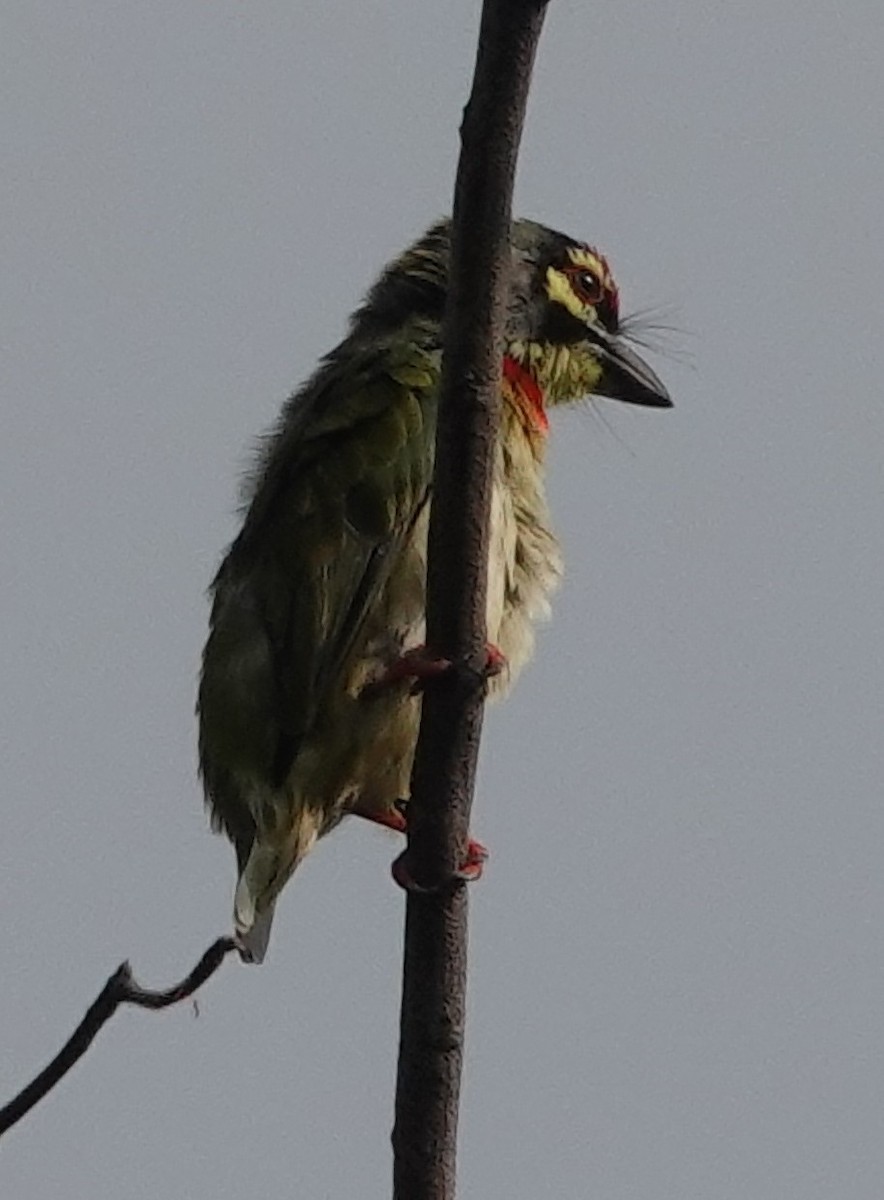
338,490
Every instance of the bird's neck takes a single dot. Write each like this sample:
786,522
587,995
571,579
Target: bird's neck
522,390
562,372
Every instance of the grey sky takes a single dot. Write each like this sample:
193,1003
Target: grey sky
677,981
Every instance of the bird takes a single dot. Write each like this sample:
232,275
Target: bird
307,705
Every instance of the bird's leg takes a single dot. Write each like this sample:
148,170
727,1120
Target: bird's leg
417,665
394,818
390,818
420,666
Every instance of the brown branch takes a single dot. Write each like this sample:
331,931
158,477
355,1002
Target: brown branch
120,988
434,972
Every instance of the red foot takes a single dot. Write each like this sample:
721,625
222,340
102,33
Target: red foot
414,664
420,666
496,660
394,818
469,871
391,818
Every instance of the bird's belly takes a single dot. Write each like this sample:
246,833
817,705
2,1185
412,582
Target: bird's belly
524,569
362,749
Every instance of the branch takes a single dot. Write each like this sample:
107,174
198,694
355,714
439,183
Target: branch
434,971
120,988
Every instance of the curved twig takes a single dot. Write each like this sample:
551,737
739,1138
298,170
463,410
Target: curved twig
120,988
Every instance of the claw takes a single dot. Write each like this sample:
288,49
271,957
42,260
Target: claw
495,661
471,868
468,872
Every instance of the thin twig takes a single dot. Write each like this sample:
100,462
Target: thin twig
120,988
434,971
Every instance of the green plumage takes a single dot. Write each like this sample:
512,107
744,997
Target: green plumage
323,589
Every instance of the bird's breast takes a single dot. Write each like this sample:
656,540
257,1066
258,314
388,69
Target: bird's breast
524,560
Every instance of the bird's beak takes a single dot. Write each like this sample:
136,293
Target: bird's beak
626,376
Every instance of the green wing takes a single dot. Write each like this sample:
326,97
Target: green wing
340,487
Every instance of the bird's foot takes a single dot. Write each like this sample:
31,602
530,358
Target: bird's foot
394,818
468,872
419,666
495,661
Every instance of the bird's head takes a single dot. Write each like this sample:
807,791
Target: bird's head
564,322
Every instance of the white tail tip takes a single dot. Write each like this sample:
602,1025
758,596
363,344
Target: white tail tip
252,929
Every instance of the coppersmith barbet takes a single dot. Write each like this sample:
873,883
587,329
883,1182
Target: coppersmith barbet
322,592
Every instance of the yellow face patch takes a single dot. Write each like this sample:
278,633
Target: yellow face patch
560,291
563,373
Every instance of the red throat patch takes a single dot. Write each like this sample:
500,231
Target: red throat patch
526,392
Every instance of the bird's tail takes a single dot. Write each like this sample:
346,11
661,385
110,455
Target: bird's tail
252,938
270,864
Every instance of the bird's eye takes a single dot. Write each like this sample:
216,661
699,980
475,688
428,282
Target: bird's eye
588,286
